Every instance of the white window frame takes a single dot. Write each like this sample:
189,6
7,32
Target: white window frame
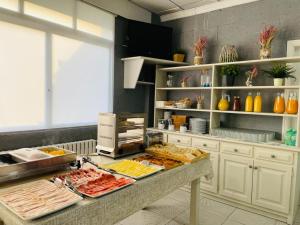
19,18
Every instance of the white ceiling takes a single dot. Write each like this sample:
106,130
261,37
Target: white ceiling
162,7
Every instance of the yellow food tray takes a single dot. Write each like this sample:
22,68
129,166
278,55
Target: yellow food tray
132,168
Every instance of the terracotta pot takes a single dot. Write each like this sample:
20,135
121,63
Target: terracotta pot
198,60
178,57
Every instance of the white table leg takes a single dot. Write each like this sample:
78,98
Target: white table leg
195,202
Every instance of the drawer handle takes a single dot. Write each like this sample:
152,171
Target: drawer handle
204,145
250,167
235,150
178,141
273,156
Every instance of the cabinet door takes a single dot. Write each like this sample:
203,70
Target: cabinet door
212,184
271,185
236,177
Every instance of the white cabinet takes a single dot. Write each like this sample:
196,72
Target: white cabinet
179,140
236,177
271,185
212,184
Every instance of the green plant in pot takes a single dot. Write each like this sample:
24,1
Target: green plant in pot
179,55
279,72
229,73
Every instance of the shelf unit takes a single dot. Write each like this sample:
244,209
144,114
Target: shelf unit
214,92
133,67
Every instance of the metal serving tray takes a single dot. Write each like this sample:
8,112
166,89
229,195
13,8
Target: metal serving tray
31,168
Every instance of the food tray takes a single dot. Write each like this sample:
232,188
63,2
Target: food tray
28,155
117,176
182,154
159,161
31,168
155,167
24,188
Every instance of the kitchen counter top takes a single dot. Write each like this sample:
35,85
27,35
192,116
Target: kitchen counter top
118,205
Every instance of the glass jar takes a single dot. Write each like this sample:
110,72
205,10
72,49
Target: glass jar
292,104
279,104
257,103
249,103
236,103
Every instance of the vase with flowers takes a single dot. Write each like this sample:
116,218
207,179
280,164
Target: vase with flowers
250,74
199,47
265,39
184,80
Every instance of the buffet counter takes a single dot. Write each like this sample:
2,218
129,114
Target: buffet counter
120,204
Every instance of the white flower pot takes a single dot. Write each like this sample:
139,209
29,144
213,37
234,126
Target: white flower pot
278,82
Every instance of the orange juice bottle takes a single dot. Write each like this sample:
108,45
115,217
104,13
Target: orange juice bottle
257,102
292,104
249,103
279,104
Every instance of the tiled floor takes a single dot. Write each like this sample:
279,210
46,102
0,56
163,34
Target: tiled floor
174,210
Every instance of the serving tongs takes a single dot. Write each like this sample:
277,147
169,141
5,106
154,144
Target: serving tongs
87,159
66,183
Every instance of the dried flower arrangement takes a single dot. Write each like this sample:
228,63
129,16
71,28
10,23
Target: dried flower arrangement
200,45
265,39
252,73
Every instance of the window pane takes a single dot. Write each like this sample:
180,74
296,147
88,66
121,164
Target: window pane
22,75
95,21
81,81
56,11
10,4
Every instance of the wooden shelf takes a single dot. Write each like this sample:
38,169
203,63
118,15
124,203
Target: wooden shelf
257,114
255,87
133,67
145,83
184,89
189,110
246,62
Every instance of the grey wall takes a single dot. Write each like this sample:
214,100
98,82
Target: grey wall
240,26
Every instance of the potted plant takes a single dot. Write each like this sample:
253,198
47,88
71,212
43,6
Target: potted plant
179,55
199,47
266,37
279,72
229,72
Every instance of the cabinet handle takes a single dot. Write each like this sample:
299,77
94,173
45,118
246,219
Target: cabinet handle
235,150
273,156
250,167
255,167
178,141
204,145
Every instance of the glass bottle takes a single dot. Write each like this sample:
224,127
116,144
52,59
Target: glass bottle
249,103
292,104
223,104
257,103
236,103
279,104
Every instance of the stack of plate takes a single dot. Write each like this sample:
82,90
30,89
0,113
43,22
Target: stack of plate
198,125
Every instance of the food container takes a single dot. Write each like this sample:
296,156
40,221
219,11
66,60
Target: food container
160,104
27,166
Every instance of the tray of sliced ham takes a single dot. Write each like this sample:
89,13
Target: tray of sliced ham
36,199
95,182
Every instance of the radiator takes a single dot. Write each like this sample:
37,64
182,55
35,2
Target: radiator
80,147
